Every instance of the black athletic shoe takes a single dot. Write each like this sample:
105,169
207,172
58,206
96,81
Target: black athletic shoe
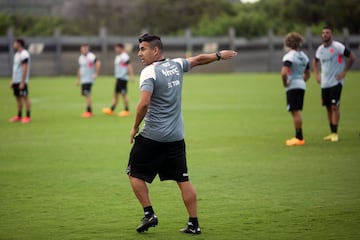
191,230
146,223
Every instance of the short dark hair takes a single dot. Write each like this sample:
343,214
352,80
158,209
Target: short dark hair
120,45
328,27
153,40
20,41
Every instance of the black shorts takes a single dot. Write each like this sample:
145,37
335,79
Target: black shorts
331,96
149,158
86,89
20,93
121,86
295,99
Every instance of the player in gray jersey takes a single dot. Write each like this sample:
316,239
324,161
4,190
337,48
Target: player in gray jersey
20,80
89,67
122,71
294,73
159,148
336,60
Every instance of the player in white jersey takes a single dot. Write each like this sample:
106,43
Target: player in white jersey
122,70
20,80
336,60
89,68
294,73
159,148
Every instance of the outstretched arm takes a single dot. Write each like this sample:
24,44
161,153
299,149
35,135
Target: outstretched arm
203,59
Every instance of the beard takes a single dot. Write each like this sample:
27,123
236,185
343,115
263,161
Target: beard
326,39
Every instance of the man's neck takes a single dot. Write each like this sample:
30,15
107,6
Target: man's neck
328,43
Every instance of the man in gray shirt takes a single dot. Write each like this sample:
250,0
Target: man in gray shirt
159,148
336,60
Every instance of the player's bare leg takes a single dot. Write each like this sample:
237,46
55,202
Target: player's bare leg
141,192
27,103
298,140
188,194
126,112
88,102
297,119
19,104
126,101
333,113
115,100
88,112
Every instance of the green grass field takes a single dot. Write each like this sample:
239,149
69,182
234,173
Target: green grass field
62,177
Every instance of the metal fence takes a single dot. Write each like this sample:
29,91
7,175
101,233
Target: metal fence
60,53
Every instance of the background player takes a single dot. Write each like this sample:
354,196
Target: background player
123,69
89,67
295,72
20,79
334,67
160,147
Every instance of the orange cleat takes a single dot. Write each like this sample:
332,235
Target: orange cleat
294,142
108,111
124,113
86,115
26,120
15,119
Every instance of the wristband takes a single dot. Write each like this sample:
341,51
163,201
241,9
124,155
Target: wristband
218,55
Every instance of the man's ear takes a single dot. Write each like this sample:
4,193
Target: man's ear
156,51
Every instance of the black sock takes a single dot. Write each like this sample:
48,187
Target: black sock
148,211
126,108
298,132
19,114
88,109
193,221
28,113
333,128
112,107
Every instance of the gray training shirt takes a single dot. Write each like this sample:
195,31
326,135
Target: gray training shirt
332,63
298,63
163,120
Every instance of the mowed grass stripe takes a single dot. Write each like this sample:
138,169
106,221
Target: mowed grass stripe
62,177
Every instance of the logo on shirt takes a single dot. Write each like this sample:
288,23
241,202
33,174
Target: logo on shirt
331,50
173,70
